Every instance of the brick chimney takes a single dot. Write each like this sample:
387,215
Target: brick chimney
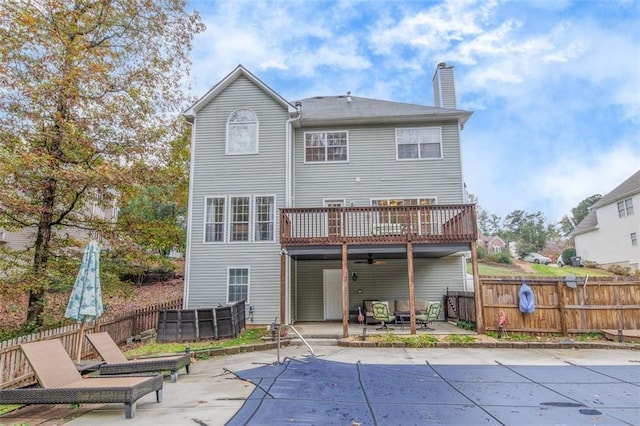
444,89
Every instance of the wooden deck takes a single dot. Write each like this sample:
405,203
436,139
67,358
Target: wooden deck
436,223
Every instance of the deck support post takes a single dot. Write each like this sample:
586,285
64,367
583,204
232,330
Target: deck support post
477,288
345,291
412,287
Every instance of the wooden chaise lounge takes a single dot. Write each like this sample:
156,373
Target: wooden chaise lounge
61,383
117,363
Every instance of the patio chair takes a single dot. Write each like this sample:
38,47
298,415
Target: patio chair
381,313
117,363
61,383
432,314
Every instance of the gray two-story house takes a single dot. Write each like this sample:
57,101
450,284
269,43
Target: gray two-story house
305,209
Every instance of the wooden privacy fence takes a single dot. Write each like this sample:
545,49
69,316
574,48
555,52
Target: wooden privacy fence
594,304
460,306
15,370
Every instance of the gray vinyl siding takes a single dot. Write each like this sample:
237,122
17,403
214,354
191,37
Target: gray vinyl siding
372,159
217,175
387,281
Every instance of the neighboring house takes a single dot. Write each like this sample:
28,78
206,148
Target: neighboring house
493,244
609,234
25,237
304,209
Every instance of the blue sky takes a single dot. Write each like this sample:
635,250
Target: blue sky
554,85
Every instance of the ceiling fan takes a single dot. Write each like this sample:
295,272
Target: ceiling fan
370,260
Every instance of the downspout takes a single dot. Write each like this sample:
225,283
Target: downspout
288,202
187,255
289,159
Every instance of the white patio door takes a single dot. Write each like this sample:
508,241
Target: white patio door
332,284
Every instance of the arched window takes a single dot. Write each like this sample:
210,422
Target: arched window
242,132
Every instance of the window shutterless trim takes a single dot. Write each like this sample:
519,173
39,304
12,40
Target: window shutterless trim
419,157
248,269
326,147
255,218
257,129
230,220
224,220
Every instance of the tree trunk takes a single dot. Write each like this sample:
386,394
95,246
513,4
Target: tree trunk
43,236
41,255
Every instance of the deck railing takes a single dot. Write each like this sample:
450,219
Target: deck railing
437,223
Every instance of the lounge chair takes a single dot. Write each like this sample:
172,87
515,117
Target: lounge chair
432,314
61,383
117,363
381,313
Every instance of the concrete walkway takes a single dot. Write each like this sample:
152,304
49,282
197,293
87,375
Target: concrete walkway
211,395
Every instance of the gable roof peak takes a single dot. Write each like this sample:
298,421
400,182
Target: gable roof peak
238,71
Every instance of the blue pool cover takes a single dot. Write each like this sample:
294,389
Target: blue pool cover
314,391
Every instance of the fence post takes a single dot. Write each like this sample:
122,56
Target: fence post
563,317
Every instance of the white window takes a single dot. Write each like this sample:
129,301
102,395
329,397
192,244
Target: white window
242,132
238,285
214,220
625,208
322,147
418,143
264,218
239,217
634,239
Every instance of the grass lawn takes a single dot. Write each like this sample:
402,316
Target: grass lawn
248,337
554,271
495,269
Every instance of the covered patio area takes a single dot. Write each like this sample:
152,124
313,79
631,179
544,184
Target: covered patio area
410,232
334,330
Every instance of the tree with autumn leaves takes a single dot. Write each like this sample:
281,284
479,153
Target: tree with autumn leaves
90,92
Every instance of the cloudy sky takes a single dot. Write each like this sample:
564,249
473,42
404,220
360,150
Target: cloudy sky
554,84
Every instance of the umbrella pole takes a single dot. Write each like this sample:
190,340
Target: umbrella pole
79,353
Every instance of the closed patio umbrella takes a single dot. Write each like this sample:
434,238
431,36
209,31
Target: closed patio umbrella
85,303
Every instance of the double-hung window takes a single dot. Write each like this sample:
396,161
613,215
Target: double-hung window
214,220
634,239
625,207
419,143
239,217
264,218
242,132
238,284
323,147
236,219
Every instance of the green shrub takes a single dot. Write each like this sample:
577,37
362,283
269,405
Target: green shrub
460,338
567,254
481,252
467,325
421,341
